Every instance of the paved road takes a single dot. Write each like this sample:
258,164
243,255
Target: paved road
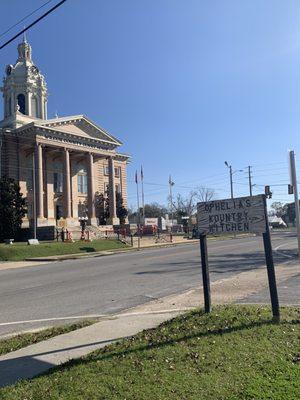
109,284
288,293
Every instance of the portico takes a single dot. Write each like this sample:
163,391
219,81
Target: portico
71,195
62,164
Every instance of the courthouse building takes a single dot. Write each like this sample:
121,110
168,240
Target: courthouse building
71,158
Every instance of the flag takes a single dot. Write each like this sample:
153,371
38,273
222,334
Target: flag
136,177
142,173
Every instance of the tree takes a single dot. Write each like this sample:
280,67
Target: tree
205,194
186,206
278,208
290,213
155,210
12,208
121,210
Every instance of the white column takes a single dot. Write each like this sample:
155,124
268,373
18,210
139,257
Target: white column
91,189
28,103
42,107
112,193
49,185
67,185
40,184
45,109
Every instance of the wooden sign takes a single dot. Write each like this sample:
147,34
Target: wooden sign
239,215
243,214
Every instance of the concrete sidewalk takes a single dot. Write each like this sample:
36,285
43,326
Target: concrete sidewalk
35,359
40,357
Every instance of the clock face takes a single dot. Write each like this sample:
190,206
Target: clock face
8,70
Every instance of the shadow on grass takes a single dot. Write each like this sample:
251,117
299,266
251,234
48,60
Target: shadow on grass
87,249
107,354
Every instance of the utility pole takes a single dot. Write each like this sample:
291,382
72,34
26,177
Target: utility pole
250,182
230,174
171,183
295,187
231,182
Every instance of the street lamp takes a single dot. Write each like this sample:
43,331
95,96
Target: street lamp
231,174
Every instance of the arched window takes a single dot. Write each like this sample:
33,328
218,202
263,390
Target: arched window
21,102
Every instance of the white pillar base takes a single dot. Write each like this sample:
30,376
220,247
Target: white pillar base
42,221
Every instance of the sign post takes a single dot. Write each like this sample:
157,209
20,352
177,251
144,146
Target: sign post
231,216
270,268
205,273
295,189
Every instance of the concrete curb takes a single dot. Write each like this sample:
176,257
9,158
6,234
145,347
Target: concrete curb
77,256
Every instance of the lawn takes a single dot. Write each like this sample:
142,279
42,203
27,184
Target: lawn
236,353
21,251
25,339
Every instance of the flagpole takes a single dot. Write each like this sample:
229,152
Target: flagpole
143,198
171,183
138,206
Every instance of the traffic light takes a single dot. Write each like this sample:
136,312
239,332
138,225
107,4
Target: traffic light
290,189
268,192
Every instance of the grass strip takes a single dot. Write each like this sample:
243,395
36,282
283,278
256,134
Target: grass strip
25,339
19,252
235,353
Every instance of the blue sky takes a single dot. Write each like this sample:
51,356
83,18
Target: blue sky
185,85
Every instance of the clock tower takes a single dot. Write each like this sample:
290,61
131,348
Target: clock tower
24,87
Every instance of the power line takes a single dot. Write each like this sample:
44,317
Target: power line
24,18
33,23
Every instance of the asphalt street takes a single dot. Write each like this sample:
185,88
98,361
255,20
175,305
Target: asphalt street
49,294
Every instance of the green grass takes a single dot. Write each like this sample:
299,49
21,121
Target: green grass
18,252
236,353
25,339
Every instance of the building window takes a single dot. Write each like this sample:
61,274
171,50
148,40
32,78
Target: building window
106,170
117,172
58,182
118,189
21,103
82,183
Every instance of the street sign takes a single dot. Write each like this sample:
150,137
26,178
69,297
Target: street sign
243,214
239,215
